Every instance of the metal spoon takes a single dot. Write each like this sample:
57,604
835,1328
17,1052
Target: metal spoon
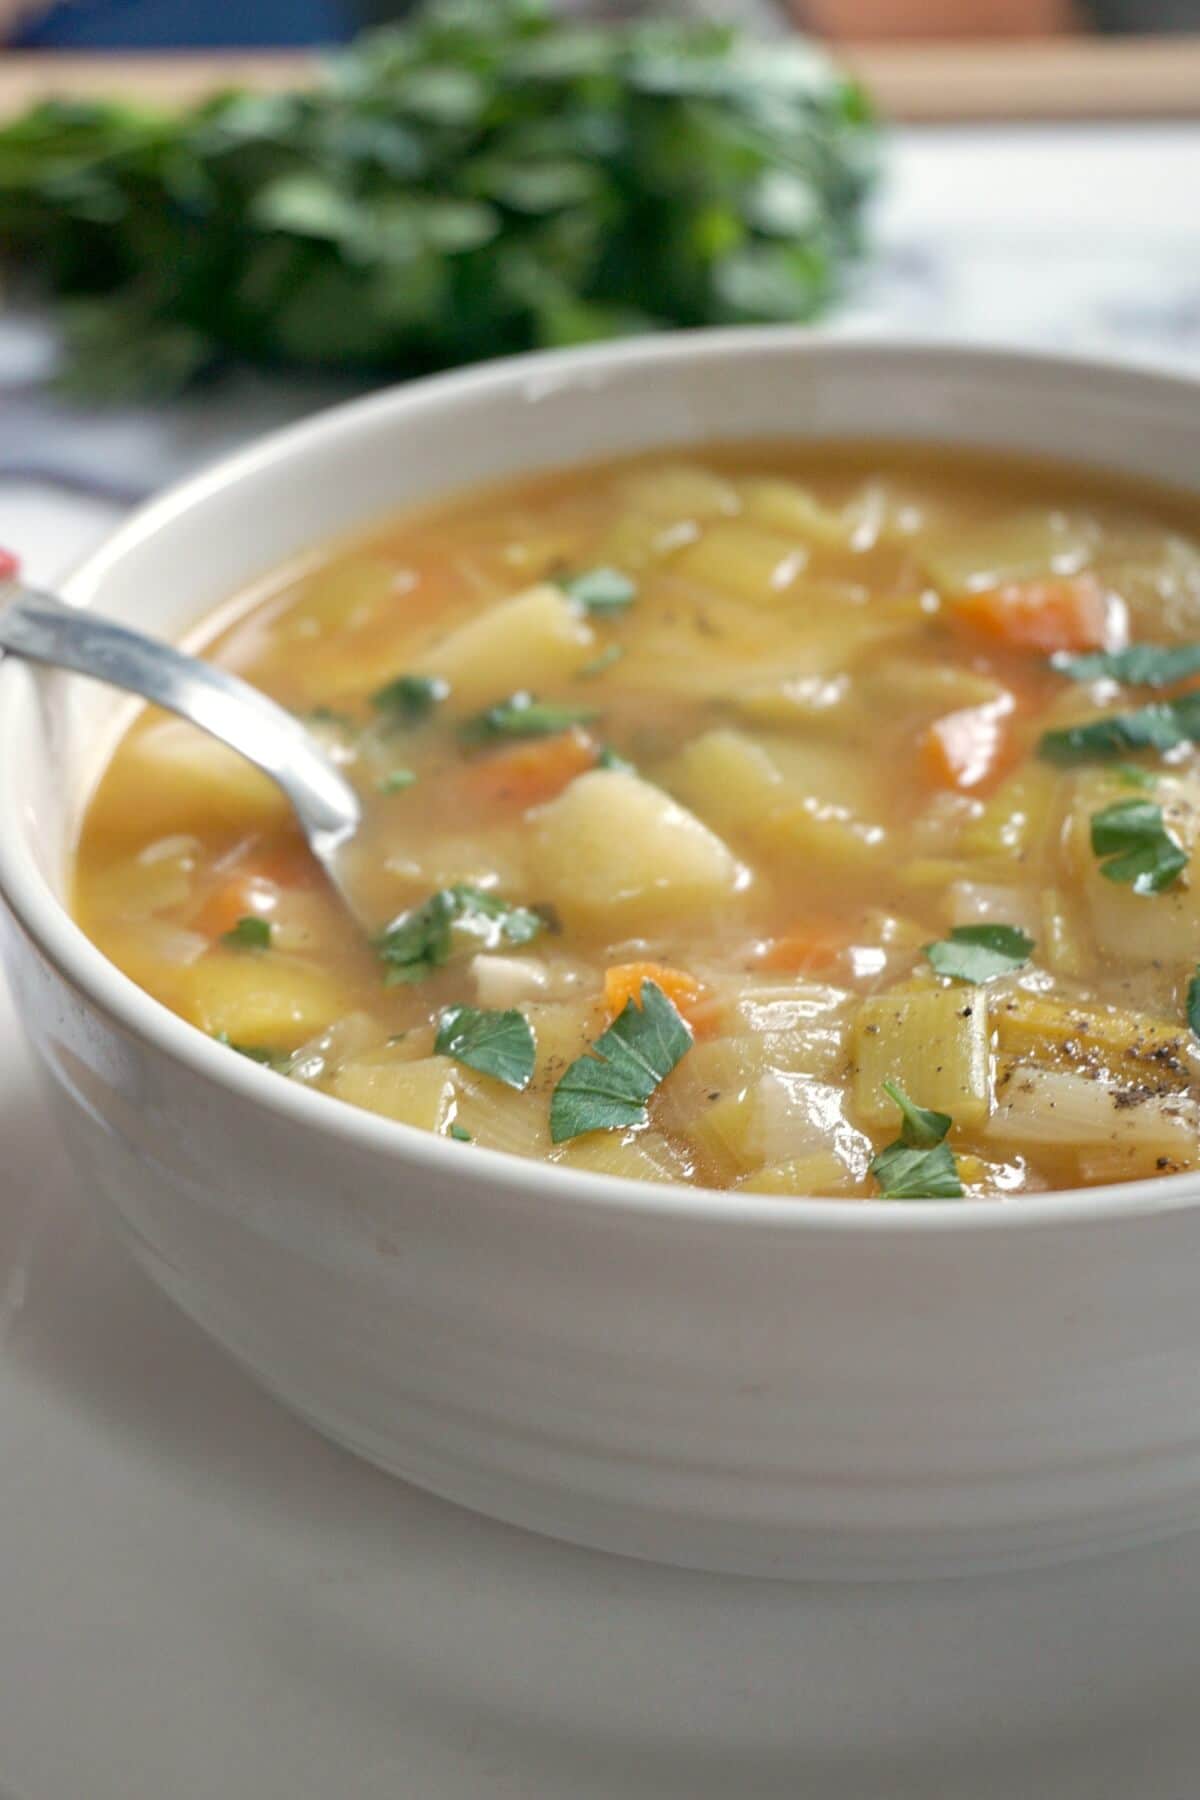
46,630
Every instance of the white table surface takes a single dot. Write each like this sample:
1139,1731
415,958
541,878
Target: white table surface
202,1601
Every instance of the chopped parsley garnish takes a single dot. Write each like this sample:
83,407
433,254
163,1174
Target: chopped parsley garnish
608,656
1159,726
610,759
601,590
329,715
499,1044
607,1088
522,716
460,1134
395,781
1193,1003
249,933
409,699
920,1165
422,938
1141,665
1131,776
976,953
269,1059
1135,847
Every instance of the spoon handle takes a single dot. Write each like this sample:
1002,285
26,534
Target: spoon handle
46,630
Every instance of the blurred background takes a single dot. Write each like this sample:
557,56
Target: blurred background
160,24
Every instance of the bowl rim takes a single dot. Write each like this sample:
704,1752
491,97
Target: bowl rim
45,918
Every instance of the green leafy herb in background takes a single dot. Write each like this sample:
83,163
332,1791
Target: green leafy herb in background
976,953
920,1165
423,938
249,934
607,1089
521,716
409,698
601,590
396,780
499,1044
485,179
1141,665
1135,846
1159,726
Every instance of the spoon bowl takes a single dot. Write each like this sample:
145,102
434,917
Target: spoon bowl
46,630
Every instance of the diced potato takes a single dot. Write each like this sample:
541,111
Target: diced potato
261,998
634,1156
158,879
804,800
1136,928
785,507
1015,547
675,491
1093,1039
613,849
914,689
529,642
933,1043
1018,817
745,561
420,1093
819,1176
563,1030
1060,1109
185,782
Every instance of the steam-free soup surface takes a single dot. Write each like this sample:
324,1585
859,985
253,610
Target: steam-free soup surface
816,784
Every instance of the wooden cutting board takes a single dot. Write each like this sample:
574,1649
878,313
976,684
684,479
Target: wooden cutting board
1068,78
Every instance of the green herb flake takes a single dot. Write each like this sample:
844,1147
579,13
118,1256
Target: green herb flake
920,1165
1131,776
423,938
268,1059
1193,1003
409,699
395,781
249,933
601,590
611,759
612,653
607,1088
499,1044
461,1135
1141,665
1135,847
521,716
977,953
1159,726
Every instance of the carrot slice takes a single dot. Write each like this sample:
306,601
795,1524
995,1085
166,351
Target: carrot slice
255,886
525,775
1070,612
806,948
623,983
9,565
964,749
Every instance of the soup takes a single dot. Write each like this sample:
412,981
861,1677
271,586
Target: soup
813,820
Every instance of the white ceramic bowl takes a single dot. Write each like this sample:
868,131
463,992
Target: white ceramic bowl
726,1381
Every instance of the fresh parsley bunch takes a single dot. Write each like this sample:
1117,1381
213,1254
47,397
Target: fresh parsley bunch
485,179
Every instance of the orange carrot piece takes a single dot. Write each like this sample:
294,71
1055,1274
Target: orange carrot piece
253,888
624,983
807,948
527,774
964,749
1069,612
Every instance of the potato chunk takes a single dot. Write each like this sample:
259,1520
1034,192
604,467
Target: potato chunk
184,781
1137,928
531,641
419,1093
800,800
933,1042
613,850
267,1001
